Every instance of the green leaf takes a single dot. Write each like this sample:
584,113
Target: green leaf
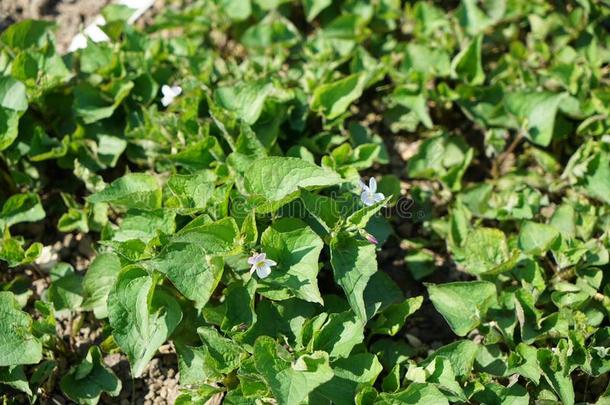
224,354
353,263
296,249
21,208
463,304
17,343
133,190
190,193
86,382
339,334
557,375
333,99
536,239
467,64
393,318
536,111
66,290
212,237
246,100
415,393
513,395
485,250
597,178
290,380
361,217
275,181
9,123
314,7
99,280
350,373
324,209
13,94
93,105
14,377
142,316
194,273
26,34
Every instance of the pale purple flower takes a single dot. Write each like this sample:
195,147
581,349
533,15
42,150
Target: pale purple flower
169,94
369,195
261,264
371,239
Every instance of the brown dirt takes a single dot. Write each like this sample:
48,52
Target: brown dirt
70,15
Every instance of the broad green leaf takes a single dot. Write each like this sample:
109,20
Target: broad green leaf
275,181
467,65
194,273
461,354
557,375
350,372
535,238
13,94
597,178
353,263
290,380
142,315
26,34
296,249
134,190
333,99
324,209
339,334
212,237
224,354
99,280
485,249
17,343
537,112
15,377
86,382
393,318
513,395
91,104
463,304
238,10
9,122
415,393
190,193
246,100
361,217
441,373
21,208
314,7
66,290
144,225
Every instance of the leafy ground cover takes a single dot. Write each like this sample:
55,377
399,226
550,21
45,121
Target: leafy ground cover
310,202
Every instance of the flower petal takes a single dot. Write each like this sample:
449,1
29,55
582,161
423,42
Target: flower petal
176,90
270,262
367,198
363,186
256,258
166,90
373,184
166,100
253,269
378,197
263,271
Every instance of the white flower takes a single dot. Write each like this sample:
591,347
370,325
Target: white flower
369,195
261,264
169,94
